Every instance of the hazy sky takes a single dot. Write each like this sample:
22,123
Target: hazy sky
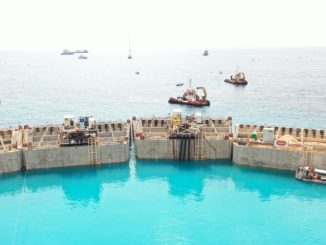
105,24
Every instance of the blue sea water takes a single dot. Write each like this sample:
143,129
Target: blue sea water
286,86
162,202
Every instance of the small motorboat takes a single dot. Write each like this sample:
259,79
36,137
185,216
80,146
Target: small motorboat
137,72
311,174
82,57
238,79
191,98
179,84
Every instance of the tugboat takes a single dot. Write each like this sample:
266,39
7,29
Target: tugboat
238,79
66,52
190,97
205,52
311,174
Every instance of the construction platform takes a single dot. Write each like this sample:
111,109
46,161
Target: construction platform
181,137
72,144
279,147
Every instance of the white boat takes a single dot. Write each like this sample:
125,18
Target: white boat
311,174
129,56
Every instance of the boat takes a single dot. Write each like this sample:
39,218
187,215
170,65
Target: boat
205,52
179,84
137,72
129,56
311,174
191,98
238,79
82,57
78,51
66,52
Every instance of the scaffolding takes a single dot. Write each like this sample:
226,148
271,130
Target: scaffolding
93,151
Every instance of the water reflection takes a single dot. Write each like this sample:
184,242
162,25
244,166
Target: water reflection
80,185
83,185
184,178
188,179
273,183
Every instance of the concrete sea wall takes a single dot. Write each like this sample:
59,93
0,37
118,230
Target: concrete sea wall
218,149
14,161
276,158
157,149
10,161
74,156
170,149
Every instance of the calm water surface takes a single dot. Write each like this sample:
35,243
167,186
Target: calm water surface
286,86
162,202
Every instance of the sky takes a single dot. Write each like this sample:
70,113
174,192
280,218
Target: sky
162,24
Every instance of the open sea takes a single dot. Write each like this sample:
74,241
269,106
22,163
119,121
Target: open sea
162,202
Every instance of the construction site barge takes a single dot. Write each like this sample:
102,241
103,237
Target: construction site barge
73,143
177,136
181,137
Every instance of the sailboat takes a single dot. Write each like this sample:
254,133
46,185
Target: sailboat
129,56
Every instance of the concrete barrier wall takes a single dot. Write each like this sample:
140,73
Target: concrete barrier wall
154,149
276,158
114,153
163,149
74,156
10,161
218,149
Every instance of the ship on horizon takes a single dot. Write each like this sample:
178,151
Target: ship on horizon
67,52
81,51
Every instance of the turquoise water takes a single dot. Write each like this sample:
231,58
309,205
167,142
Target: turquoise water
161,202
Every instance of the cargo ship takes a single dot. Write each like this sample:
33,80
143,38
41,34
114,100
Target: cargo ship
67,52
190,97
78,51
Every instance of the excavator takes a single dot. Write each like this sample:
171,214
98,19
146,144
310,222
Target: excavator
203,98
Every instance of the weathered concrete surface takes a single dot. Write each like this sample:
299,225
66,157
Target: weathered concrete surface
218,149
114,153
10,161
74,156
170,149
155,149
276,158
